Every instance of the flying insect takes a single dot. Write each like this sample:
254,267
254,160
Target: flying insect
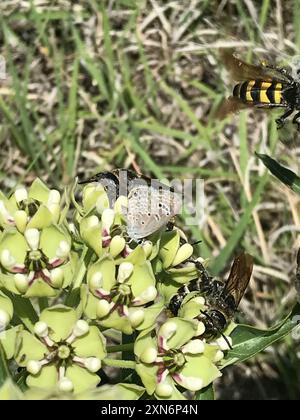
261,86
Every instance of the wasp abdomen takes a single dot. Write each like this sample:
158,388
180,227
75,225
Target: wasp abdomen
259,92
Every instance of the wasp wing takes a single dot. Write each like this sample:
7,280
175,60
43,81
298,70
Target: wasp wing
241,71
231,105
239,277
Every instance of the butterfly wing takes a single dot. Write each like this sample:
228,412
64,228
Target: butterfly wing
150,209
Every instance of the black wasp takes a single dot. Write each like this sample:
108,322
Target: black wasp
221,298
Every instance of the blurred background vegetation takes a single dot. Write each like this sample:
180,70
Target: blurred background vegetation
99,84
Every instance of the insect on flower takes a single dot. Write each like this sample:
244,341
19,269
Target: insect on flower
151,204
221,298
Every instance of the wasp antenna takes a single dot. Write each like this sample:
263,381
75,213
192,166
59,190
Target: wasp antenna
227,341
196,243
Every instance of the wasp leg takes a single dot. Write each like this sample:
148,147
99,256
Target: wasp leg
295,120
281,120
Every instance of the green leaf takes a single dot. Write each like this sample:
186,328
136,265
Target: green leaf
206,394
4,373
284,174
248,341
25,311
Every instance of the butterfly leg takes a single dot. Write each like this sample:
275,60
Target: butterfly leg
281,120
295,120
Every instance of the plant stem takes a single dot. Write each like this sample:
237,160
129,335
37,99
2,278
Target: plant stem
123,364
120,347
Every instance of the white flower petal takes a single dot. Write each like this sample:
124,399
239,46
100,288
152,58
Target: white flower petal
81,328
194,347
34,367
33,238
21,194
92,364
41,329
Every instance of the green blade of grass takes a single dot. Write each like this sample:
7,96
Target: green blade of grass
204,137
225,254
285,175
69,137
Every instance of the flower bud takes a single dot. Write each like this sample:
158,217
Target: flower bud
103,308
92,221
57,277
34,367
147,295
4,319
63,249
54,198
108,217
125,271
93,364
149,355
96,281
21,219
194,347
81,328
21,282
136,317
163,390
41,329
168,329
21,194
117,245
6,259
65,385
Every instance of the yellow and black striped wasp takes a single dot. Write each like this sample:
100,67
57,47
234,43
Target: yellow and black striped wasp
260,86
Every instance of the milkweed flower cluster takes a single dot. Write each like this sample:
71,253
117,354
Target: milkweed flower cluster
73,284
